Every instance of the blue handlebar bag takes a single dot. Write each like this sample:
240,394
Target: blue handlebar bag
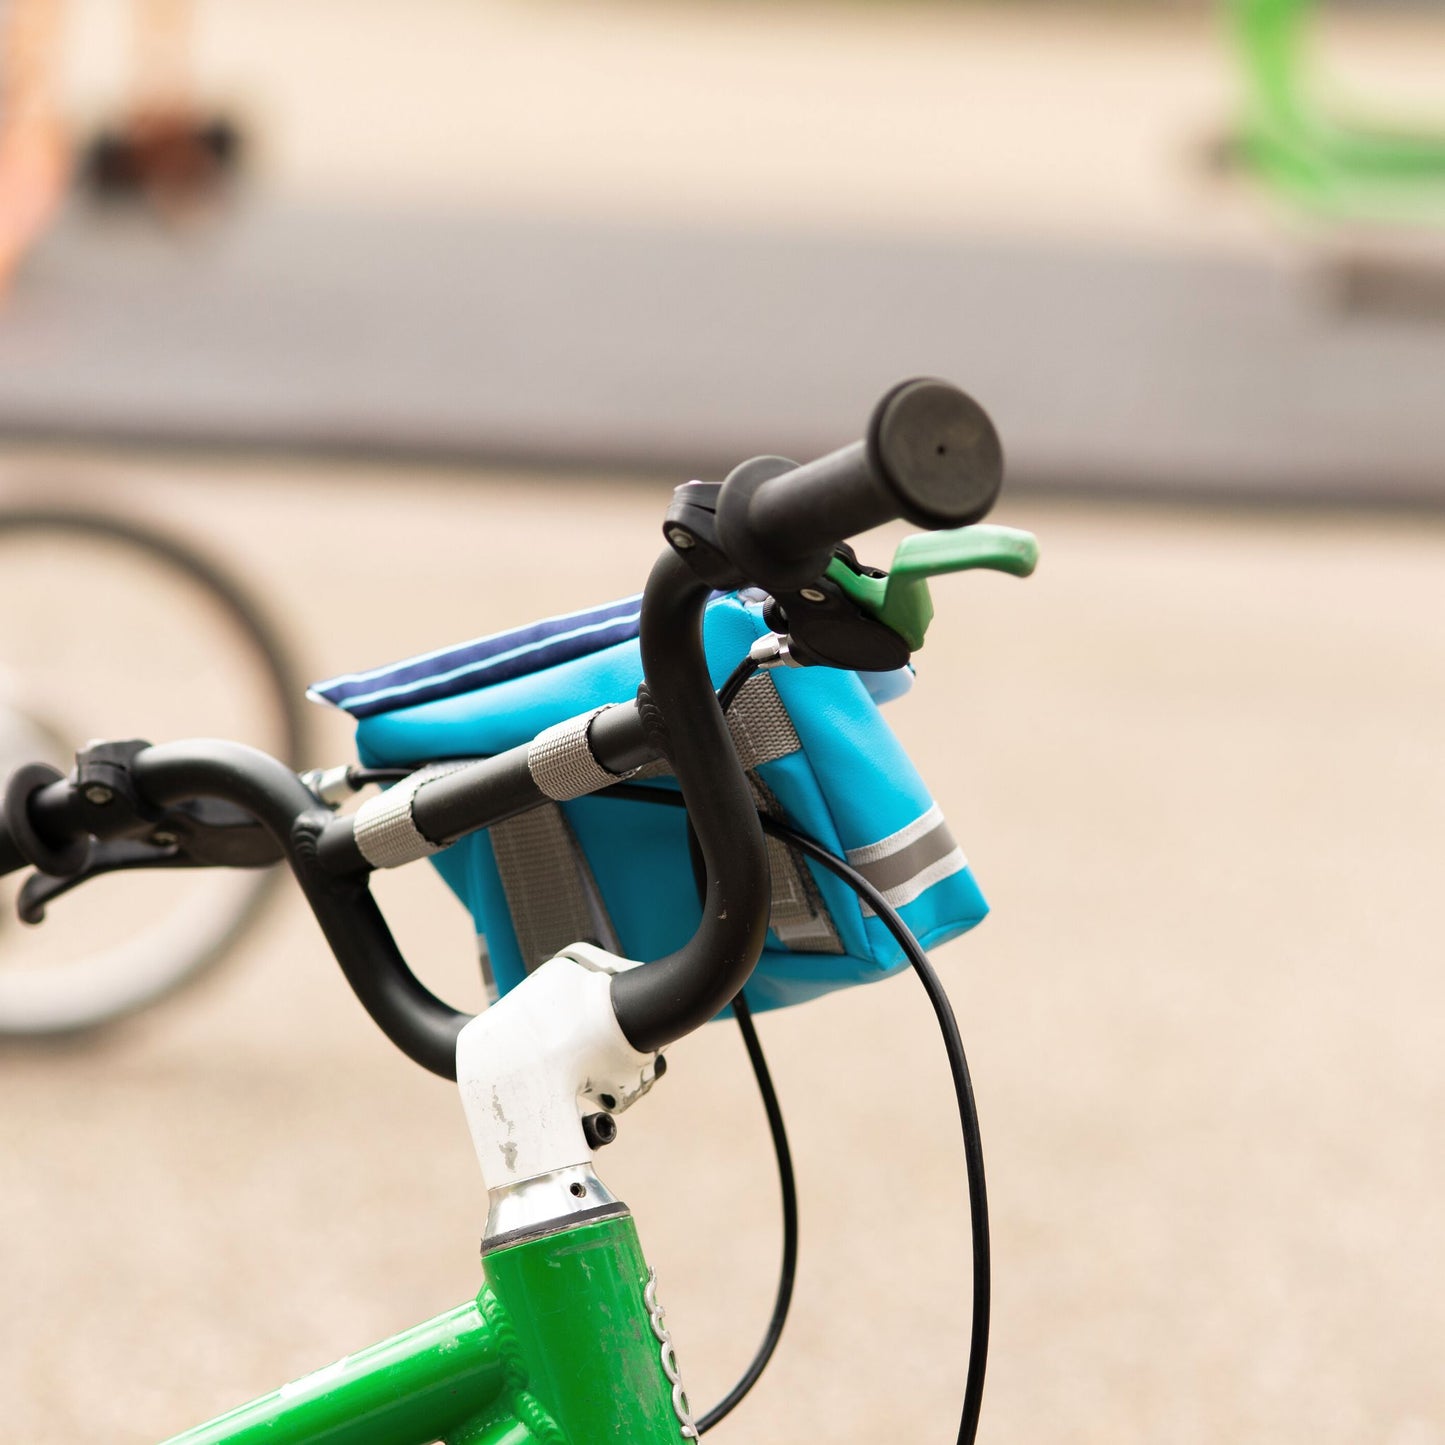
818,755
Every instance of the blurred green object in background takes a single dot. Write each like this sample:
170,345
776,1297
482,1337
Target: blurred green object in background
1330,165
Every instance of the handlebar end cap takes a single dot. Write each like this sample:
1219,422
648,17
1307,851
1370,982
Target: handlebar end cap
938,452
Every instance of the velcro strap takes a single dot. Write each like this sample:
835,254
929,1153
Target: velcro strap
384,830
561,762
551,894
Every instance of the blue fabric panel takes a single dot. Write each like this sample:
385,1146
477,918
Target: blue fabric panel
512,711
483,895
945,910
648,883
837,723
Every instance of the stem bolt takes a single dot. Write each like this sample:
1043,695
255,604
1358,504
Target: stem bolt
99,794
599,1129
811,594
682,539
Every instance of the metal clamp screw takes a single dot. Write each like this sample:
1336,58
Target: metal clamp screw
770,650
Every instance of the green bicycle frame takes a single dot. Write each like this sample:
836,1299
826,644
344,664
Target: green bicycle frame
565,1345
1320,162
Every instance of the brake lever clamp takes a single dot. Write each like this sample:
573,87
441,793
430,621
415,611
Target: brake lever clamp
103,803
824,627
203,833
690,528
105,788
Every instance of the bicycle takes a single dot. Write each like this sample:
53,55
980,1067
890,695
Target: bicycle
190,609
1326,163
567,1340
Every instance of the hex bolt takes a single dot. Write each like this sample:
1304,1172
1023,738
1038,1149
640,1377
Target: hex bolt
599,1129
99,794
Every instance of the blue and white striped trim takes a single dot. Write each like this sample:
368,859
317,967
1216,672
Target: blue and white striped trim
485,660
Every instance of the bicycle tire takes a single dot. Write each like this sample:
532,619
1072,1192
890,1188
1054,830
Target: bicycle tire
100,988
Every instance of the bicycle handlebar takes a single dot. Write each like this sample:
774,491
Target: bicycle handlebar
931,457
669,997
55,815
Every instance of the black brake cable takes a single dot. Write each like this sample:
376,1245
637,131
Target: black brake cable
788,1190
962,1087
782,1153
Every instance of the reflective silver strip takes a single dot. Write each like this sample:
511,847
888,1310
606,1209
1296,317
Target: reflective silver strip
383,828
561,762
909,862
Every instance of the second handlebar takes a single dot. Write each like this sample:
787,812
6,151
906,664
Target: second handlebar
932,457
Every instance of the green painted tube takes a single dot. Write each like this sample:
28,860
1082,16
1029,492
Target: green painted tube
413,1389
565,1345
500,1432
586,1345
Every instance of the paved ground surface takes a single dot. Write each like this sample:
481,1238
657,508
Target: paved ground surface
1197,764
672,234
486,334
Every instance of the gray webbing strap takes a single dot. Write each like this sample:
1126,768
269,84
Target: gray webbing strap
562,766
384,831
762,731
551,893
561,762
759,723
798,916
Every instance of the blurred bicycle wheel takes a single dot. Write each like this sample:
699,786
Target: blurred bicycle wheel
110,628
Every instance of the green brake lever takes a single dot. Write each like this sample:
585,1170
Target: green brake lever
901,601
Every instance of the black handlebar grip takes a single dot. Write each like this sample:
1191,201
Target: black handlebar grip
40,827
11,858
932,457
